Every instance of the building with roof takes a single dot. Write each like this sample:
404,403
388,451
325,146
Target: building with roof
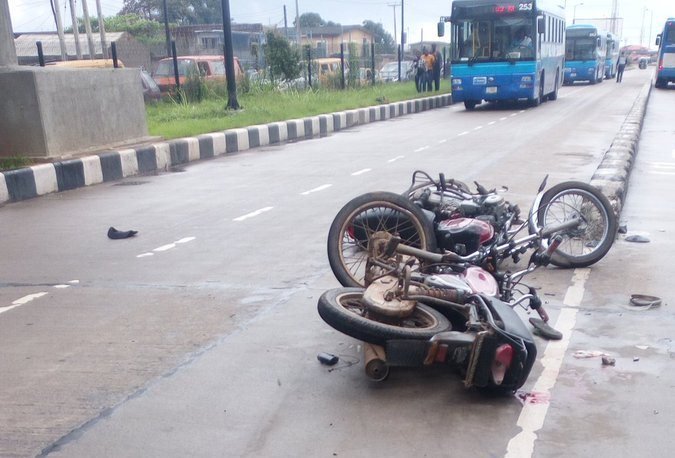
129,50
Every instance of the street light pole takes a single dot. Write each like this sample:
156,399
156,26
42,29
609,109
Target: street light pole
574,14
232,102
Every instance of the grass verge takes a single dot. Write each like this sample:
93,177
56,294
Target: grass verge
172,119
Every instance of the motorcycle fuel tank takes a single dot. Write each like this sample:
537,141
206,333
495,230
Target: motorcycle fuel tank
471,233
480,281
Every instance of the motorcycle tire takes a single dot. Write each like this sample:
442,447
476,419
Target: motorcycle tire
343,310
593,239
364,215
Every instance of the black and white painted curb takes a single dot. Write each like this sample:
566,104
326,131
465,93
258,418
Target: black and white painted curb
612,175
34,181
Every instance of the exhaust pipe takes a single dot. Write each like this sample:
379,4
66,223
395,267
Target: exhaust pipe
375,362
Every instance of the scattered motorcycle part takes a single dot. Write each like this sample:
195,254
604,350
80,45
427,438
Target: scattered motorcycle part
542,329
637,238
644,300
327,359
375,362
607,361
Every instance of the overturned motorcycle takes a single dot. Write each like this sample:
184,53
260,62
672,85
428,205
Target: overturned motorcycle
407,318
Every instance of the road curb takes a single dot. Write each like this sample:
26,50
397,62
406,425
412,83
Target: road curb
611,176
38,180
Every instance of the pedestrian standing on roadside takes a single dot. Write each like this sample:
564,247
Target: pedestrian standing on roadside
428,74
419,67
622,66
438,59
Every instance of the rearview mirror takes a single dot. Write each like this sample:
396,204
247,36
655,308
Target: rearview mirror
541,24
441,29
658,39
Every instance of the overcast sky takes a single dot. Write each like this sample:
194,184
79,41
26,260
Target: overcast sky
420,18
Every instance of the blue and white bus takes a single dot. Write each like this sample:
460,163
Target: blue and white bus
506,50
612,56
665,70
585,54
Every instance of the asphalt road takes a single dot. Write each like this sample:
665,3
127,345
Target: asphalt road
199,336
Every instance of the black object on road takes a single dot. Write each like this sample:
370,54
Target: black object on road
116,235
327,359
541,328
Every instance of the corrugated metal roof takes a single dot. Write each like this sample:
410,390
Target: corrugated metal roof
26,43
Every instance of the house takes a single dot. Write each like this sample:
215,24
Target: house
130,51
325,41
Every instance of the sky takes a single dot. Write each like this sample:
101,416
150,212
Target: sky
641,20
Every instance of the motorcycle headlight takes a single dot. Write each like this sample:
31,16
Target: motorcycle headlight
526,79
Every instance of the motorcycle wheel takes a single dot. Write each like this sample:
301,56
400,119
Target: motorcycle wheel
360,218
591,241
343,309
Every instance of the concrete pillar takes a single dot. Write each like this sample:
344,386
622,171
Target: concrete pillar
7,48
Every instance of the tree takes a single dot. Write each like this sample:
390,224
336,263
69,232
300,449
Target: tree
284,62
182,12
310,20
380,36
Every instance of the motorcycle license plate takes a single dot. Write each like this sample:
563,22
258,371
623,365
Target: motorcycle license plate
491,90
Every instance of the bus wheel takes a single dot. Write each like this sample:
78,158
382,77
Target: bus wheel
659,83
554,95
469,104
535,102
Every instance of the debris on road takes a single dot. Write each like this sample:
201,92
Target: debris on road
116,235
644,300
327,359
608,361
589,354
637,238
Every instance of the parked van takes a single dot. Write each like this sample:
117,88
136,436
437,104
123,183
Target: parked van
327,67
211,68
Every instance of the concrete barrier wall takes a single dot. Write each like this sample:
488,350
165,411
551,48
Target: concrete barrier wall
54,111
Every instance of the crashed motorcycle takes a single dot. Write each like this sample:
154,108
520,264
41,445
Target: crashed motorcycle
445,216
413,319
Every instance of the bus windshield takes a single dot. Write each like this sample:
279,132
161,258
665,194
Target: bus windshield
496,39
580,48
669,36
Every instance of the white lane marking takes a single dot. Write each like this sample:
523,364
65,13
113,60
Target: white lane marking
22,301
440,142
361,172
661,173
478,128
144,255
393,159
503,119
521,111
421,149
491,123
532,416
252,214
664,165
317,189
513,114
74,282
165,247
185,240
463,133
61,286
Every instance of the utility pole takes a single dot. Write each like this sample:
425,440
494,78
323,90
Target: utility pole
232,102
402,31
76,31
615,13
642,27
101,29
285,24
59,29
7,48
394,5
166,29
87,28
297,24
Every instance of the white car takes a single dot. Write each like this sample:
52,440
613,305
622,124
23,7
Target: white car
389,71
